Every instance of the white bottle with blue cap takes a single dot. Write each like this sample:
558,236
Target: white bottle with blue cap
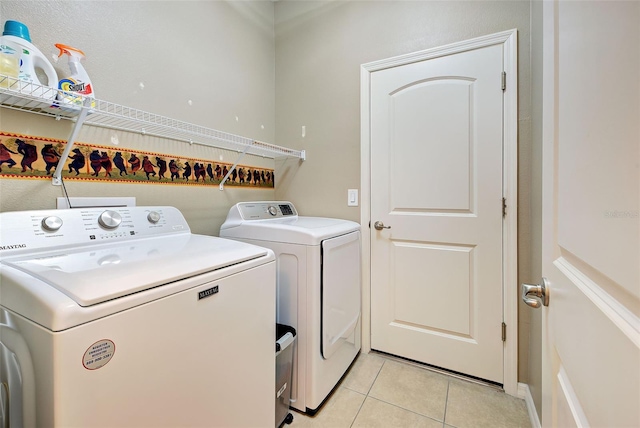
31,59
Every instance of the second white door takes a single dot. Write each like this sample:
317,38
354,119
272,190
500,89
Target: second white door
591,217
436,187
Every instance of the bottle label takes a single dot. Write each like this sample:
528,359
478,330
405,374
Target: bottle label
71,85
8,50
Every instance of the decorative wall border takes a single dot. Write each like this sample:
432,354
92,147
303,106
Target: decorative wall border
32,157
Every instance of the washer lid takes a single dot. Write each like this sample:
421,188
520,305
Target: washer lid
299,230
95,274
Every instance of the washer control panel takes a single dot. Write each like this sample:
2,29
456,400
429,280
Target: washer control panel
28,230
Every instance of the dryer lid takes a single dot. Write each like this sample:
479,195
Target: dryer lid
96,274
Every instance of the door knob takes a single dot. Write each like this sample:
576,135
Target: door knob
380,225
540,291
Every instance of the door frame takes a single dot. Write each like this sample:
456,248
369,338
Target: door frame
508,39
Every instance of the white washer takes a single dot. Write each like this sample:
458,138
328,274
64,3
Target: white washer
318,271
123,318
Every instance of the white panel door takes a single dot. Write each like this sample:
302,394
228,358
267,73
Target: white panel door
436,181
591,220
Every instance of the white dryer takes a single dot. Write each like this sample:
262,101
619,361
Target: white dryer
319,286
123,318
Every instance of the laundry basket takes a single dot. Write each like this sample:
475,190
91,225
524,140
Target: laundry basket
286,337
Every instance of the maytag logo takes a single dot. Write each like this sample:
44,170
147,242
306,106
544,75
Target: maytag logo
12,247
208,292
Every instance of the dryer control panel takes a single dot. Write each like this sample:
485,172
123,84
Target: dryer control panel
266,210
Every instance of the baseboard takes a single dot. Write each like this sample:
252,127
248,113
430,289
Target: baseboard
525,393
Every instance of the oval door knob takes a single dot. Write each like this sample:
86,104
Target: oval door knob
538,291
380,225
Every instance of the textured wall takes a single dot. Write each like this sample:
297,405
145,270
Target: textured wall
204,62
319,49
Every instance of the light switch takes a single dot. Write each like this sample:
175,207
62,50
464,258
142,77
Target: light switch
352,197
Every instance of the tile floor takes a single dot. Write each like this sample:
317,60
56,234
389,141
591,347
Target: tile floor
384,392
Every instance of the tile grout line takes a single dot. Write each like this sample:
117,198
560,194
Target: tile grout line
376,378
358,412
446,403
408,410
448,374
366,395
400,407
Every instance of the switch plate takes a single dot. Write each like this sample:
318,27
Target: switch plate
352,197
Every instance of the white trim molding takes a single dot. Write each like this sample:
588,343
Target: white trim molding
525,393
618,314
509,41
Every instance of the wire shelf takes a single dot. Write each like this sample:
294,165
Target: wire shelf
34,98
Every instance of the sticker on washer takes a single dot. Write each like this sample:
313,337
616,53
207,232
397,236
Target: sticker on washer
98,354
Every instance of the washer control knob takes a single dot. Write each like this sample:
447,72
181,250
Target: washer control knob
153,217
110,219
272,210
51,223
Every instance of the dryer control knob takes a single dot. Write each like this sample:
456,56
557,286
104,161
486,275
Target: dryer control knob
272,210
51,223
153,217
110,219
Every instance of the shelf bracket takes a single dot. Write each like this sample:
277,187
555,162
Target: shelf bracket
244,152
84,111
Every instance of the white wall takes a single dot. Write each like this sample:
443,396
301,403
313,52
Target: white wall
158,56
319,49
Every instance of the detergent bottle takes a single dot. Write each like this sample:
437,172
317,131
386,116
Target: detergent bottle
31,59
77,82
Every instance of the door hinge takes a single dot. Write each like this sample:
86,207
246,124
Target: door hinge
504,207
504,80
504,332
